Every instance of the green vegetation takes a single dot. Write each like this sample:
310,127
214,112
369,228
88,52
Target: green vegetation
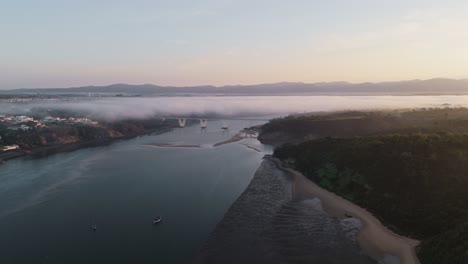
299,128
415,181
66,133
25,139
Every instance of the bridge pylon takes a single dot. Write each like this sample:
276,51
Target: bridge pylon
203,123
182,122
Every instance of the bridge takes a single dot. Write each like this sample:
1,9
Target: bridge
204,121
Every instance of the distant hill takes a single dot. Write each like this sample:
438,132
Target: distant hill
413,87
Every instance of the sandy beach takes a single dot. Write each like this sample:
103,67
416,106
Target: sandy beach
374,237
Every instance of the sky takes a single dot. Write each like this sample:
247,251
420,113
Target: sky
63,43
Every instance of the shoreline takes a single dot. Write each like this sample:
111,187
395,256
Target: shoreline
267,224
45,151
374,237
250,147
12,154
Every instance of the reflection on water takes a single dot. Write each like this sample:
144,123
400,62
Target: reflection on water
48,205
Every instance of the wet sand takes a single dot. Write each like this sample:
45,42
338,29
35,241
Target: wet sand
374,237
268,224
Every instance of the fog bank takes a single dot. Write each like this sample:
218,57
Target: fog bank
235,106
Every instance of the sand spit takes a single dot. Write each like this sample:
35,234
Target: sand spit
244,133
268,225
235,138
374,237
172,145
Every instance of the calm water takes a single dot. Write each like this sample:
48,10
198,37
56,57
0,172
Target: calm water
47,205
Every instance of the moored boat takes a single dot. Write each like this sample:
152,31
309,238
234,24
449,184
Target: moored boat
157,220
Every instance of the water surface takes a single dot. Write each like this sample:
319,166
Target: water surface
47,205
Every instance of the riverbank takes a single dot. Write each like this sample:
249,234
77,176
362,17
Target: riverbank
12,154
40,152
375,238
269,224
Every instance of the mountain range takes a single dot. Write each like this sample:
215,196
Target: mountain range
414,87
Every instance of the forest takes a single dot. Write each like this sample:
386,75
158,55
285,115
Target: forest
299,128
413,176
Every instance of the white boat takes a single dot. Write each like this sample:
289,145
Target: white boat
157,220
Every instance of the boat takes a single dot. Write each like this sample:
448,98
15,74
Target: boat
94,227
157,220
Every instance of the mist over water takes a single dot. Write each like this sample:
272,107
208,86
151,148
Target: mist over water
231,106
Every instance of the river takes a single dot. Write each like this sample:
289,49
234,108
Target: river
48,205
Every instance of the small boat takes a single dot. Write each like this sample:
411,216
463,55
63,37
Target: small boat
94,228
157,220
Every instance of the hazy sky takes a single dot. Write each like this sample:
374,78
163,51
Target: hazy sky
61,43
